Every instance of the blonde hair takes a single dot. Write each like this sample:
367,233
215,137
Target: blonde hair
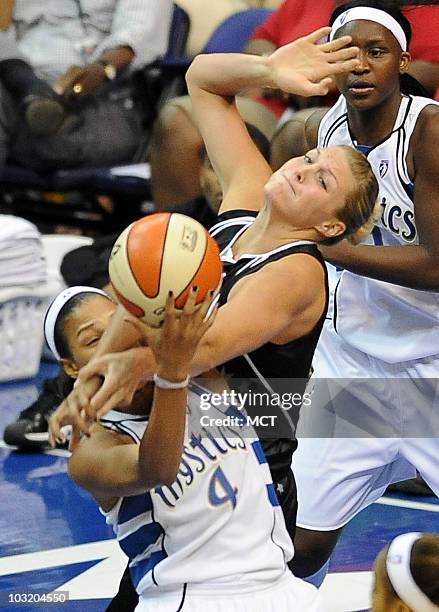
361,209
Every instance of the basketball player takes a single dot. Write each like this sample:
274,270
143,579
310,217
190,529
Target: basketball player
383,327
179,496
324,196
319,197
406,575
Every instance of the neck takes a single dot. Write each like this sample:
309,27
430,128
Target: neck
369,127
270,231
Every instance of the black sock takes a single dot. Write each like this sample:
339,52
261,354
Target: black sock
20,80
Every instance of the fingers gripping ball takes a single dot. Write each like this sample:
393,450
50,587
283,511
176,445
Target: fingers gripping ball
161,253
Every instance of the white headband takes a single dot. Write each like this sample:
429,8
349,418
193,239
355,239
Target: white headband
55,308
400,575
371,14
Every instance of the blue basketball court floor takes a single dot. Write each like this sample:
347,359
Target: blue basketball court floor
52,536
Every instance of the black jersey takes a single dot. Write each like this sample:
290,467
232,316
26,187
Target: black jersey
270,361
260,368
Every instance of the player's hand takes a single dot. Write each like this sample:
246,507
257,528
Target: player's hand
124,373
175,342
121,374
72,412
67,414
341,253
304,67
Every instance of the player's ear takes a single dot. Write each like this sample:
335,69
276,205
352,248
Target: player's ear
331,229
404,62
69,367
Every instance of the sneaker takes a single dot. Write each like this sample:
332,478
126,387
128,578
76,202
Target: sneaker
31,430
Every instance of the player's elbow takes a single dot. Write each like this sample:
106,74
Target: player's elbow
191,76
166,475
75,470
163,475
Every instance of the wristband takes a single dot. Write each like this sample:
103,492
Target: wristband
162,383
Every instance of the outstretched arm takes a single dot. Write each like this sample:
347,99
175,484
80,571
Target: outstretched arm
301,67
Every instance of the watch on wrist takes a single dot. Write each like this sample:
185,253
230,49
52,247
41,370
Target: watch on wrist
109,70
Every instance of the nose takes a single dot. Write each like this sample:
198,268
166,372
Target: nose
363,66
303,172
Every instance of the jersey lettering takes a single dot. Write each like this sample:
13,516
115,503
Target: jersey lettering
398,222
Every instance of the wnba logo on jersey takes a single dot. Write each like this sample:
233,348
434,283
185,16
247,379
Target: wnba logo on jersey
383,167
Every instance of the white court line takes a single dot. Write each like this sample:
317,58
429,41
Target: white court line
101,581
347,591
406,503
57,557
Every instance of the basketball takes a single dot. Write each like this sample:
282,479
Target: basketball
160,253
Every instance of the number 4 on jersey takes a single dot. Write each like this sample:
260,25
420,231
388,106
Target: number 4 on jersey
220,489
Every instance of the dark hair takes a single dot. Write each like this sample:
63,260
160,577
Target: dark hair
59,336
424,565
408,84
258,138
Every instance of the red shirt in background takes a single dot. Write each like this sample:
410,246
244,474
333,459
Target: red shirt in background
296,18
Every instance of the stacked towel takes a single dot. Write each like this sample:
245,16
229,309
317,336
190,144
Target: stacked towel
22,259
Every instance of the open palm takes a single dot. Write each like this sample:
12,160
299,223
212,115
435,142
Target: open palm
304,67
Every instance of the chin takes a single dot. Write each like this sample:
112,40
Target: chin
367,102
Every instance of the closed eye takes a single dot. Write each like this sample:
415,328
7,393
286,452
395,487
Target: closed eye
322,183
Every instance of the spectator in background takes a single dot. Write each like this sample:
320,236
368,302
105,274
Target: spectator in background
64,69
176,141
174,176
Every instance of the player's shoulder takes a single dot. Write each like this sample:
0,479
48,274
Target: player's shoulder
299,269
305,263
429,118
426,133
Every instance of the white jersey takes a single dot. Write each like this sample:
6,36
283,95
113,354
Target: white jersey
219,524
365,311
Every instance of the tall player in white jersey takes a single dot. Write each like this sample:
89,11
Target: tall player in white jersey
180,493
383,324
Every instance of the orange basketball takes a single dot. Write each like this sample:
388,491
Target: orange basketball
161,253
